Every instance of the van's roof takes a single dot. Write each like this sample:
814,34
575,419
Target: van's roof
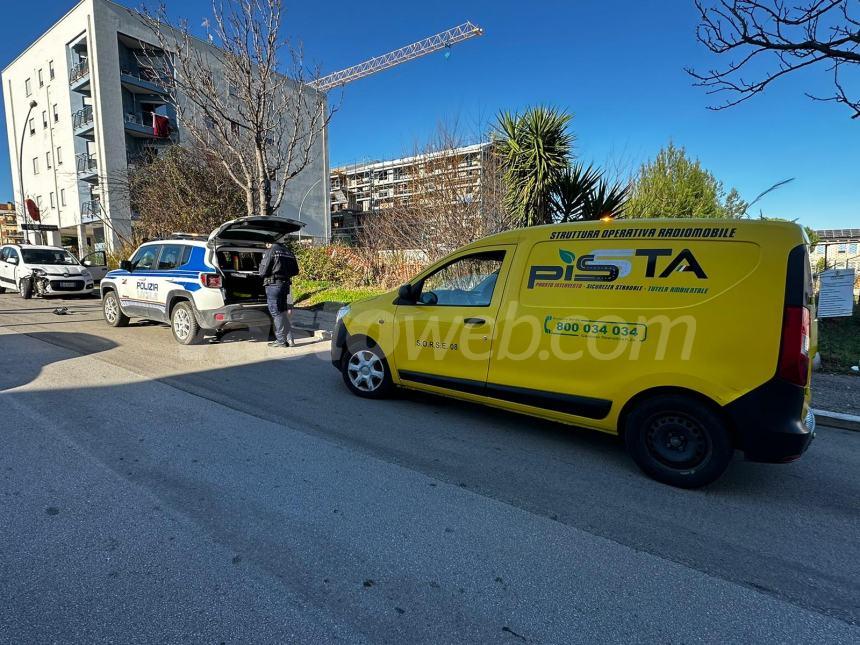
744,228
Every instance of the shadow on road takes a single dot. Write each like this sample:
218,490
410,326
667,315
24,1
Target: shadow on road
746,527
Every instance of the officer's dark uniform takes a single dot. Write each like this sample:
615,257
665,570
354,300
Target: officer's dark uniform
279,265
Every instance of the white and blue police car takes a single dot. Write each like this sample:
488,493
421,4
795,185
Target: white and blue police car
194,283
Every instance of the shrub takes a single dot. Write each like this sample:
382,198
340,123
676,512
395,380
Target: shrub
331,263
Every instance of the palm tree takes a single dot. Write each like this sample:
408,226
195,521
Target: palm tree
571,190
534,148
605,200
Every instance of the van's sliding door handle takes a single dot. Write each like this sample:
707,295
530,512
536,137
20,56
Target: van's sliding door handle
474,321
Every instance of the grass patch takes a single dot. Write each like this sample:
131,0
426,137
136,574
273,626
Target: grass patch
307,293
839,342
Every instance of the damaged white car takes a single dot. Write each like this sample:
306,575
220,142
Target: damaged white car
36,270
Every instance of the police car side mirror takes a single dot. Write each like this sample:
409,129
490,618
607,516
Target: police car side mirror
12,260
126,265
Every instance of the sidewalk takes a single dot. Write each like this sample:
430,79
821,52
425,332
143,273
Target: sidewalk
836,393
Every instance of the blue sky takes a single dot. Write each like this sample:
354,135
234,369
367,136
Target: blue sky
618,66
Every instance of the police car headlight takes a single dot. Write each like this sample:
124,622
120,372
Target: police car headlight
38,272
341,313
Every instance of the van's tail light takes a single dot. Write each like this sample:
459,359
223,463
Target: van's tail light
211,280
794,352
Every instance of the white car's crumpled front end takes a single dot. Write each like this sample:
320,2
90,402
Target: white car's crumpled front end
63,280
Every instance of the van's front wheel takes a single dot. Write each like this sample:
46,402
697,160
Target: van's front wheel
678,441
366,373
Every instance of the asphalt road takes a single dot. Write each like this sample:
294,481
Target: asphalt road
236,493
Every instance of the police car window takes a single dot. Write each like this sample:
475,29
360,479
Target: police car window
186,255
4,253
170,258
145,257
467,282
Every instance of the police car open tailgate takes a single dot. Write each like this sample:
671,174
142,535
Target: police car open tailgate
253,229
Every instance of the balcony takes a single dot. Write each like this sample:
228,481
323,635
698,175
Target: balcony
87,167
140,124
79,77
145,80
82,122
91,211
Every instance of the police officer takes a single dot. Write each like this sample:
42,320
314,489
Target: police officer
279,265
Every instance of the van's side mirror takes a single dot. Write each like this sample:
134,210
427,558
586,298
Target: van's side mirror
126,265
405,294
12,260
87,263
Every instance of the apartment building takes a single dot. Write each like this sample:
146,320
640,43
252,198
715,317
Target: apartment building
82,105
361,189
839,248
9,232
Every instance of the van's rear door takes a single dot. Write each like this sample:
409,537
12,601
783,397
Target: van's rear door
254,230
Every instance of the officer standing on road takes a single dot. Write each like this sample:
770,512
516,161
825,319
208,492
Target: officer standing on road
279,265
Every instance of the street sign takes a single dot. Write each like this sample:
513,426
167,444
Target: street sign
836,294
39,227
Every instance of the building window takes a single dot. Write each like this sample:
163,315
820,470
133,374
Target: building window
852,248
59,156
32,126
27,89
39,201
41,79
51,69
35,165
62,196
53,201
56,114
48,160
44,118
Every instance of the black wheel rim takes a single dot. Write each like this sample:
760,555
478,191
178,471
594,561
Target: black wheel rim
677,441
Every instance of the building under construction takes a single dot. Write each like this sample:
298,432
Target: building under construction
360,190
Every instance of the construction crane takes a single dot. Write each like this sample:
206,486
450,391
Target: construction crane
429,45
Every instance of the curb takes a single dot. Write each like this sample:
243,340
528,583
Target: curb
837,420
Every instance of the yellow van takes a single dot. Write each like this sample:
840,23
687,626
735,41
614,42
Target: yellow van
690,338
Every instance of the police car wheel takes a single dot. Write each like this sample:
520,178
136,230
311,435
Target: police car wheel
678,441
25,288
184,325
365,372
112,311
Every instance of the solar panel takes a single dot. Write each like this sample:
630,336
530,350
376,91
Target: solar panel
839,234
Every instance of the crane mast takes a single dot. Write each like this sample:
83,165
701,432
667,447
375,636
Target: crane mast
410,52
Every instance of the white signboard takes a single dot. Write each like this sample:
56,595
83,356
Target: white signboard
836,295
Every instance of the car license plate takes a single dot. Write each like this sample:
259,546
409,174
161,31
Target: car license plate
68,285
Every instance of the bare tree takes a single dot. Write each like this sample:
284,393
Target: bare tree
790,37
446,202
244,97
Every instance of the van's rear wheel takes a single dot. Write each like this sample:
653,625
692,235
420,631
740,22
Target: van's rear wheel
678,440
366,373
184,324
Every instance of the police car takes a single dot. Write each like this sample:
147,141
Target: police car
194,283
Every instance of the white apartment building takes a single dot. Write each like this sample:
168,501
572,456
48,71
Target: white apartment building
98,108
360,189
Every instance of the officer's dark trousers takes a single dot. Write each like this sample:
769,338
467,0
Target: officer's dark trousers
276,298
